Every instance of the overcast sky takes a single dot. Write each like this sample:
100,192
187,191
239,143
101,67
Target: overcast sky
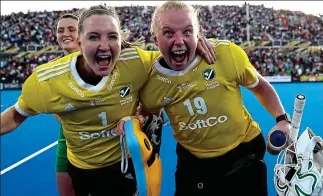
7,7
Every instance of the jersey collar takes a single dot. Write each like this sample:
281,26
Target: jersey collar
170,72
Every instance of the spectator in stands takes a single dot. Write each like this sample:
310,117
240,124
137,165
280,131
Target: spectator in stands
20,31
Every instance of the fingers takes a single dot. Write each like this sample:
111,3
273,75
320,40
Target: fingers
120,128
211,48
203,51
141,119
206,50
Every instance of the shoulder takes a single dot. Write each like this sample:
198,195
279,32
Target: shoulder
137,53
137,58
227,51
129,54
221,45
58,61
55,67
226,46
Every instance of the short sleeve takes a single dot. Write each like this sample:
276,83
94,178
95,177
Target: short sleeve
148,58
31,102
247,75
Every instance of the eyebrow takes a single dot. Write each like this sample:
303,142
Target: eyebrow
188,26
67,27
113,33
96,33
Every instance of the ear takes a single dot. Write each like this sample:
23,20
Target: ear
155,39
79,44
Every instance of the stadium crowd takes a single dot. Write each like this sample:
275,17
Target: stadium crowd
19,30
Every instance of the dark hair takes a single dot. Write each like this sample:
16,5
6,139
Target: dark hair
72,16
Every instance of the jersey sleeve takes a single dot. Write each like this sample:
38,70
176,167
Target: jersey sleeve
247,75
148,58
31,101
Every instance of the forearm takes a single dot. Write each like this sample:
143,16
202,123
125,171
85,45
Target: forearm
10,120
268,97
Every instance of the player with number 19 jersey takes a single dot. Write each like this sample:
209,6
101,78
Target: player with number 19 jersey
88,113
203,102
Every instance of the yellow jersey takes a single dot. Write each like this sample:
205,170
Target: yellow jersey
203,102
89,114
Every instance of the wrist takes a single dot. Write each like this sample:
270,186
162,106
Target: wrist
283,117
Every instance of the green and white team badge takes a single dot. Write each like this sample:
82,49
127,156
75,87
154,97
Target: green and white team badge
208,74
124,91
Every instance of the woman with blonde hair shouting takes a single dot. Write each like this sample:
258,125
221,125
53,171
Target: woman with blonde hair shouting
90,91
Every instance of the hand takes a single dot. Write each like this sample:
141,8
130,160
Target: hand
283,126
120,127
206,49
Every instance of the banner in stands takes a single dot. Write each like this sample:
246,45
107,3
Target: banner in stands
8,86
311,78
278,78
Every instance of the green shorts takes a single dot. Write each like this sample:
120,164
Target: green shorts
61,153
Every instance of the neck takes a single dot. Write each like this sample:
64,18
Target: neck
87,75
69,51
163,63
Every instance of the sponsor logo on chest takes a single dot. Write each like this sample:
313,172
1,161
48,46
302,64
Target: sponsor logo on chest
75,89
113,80
164,79
204,123
185,87
123,93
98,101
209,75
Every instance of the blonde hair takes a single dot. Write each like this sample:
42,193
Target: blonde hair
96,10
110,11
174,6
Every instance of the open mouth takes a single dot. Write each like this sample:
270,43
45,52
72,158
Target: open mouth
179,55
67,41
103,60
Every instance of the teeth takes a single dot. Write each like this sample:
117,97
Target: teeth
179,52
103,56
